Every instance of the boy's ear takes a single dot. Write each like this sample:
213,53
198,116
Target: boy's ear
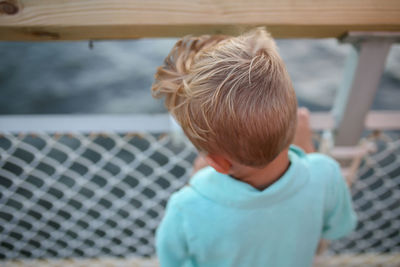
219,163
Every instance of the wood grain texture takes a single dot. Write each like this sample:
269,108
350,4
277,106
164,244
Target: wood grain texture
159,123
120,19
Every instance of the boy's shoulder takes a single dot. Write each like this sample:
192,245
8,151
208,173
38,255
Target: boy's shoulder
315,158
318,169
186,196
191,194
316,161
320,166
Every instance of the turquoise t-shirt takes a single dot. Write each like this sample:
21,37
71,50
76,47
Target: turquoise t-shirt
219,221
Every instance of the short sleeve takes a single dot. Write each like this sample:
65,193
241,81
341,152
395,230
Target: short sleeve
171,244
340,218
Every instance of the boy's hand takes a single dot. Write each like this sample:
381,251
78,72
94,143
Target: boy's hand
303,136
199,163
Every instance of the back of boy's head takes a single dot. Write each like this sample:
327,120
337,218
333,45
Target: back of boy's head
231,95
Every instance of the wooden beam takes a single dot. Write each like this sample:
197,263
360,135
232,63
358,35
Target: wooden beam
321,121
100,123
376,120
387,120
363,71
121,19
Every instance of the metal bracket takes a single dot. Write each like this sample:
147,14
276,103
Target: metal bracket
363,70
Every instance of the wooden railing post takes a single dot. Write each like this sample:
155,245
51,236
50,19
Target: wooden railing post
363,70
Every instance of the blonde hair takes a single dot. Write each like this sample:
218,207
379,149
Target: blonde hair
231,95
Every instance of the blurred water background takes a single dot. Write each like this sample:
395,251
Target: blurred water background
49,178
116,76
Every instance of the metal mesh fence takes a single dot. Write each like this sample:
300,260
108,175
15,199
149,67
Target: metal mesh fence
86,196
376,197
82,196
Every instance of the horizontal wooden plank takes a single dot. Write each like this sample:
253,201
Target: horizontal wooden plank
321,121
120,19
376,120
388,120
100,123
344,260
349,152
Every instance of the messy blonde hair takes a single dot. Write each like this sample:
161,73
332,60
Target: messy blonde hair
231,95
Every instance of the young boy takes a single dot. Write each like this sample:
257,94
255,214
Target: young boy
261,202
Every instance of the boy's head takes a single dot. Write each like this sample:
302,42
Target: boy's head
231,95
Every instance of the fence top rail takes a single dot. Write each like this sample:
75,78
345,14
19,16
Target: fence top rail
123,19
157,123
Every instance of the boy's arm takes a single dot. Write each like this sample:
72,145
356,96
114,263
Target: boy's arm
171,244
340,218
303,135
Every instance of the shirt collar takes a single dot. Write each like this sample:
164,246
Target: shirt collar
225,190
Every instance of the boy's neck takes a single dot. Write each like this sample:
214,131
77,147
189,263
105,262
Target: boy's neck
261,178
